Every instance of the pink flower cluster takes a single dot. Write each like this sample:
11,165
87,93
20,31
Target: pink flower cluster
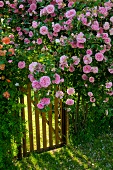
43,102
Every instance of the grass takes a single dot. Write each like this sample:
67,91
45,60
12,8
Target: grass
96,155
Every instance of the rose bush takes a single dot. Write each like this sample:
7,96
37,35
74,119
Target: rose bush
56,43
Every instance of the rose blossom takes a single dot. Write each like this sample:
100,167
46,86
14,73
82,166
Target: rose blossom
70,14
91,79
106,26
76,60
45,81
99,56
84,77
69,102
90,94
30,33
111,31
21,64
80,38
59,94
94,69
1,4
89,52
43,30
31,77
70,91
40,105
34,24
111,19
36,84
92,99
32,66
33,6
50,9
105,35
57,79
56,28
39,41
45,101
87,59
71,68
108,85
95,26
87,69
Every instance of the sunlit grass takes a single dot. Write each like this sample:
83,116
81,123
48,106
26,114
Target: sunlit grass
96,155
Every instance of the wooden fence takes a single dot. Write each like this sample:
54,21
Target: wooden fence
45,131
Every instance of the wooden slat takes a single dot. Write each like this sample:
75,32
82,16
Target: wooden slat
24,134
50,126
56,120
44,130
61,116
30,118
64,124
37,123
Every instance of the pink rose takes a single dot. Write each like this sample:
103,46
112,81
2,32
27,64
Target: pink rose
43,30
50,9
40,106
71,68
31,77
84,77
45,101
94,69
34,24
45,81
111,19
90,94
92,99
89,52
56,28
111,31
57,79
107,40
76,60
87,69
106,26
1,4
32,66
80,45
71,13
59,94
39,41
70,102
30,33
95,26
70,91
108,85
33,6
80,38
36,84
63,59
21,64
91,79
105,35
99,56
87,59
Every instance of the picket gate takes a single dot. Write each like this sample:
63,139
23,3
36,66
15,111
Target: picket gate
45,131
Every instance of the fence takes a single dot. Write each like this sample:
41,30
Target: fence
45,131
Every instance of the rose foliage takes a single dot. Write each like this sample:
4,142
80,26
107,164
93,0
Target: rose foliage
65,49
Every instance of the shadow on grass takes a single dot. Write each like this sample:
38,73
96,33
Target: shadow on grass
96,155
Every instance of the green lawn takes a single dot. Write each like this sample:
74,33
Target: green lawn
96,155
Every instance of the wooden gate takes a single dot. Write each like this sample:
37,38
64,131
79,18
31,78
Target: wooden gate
45,131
